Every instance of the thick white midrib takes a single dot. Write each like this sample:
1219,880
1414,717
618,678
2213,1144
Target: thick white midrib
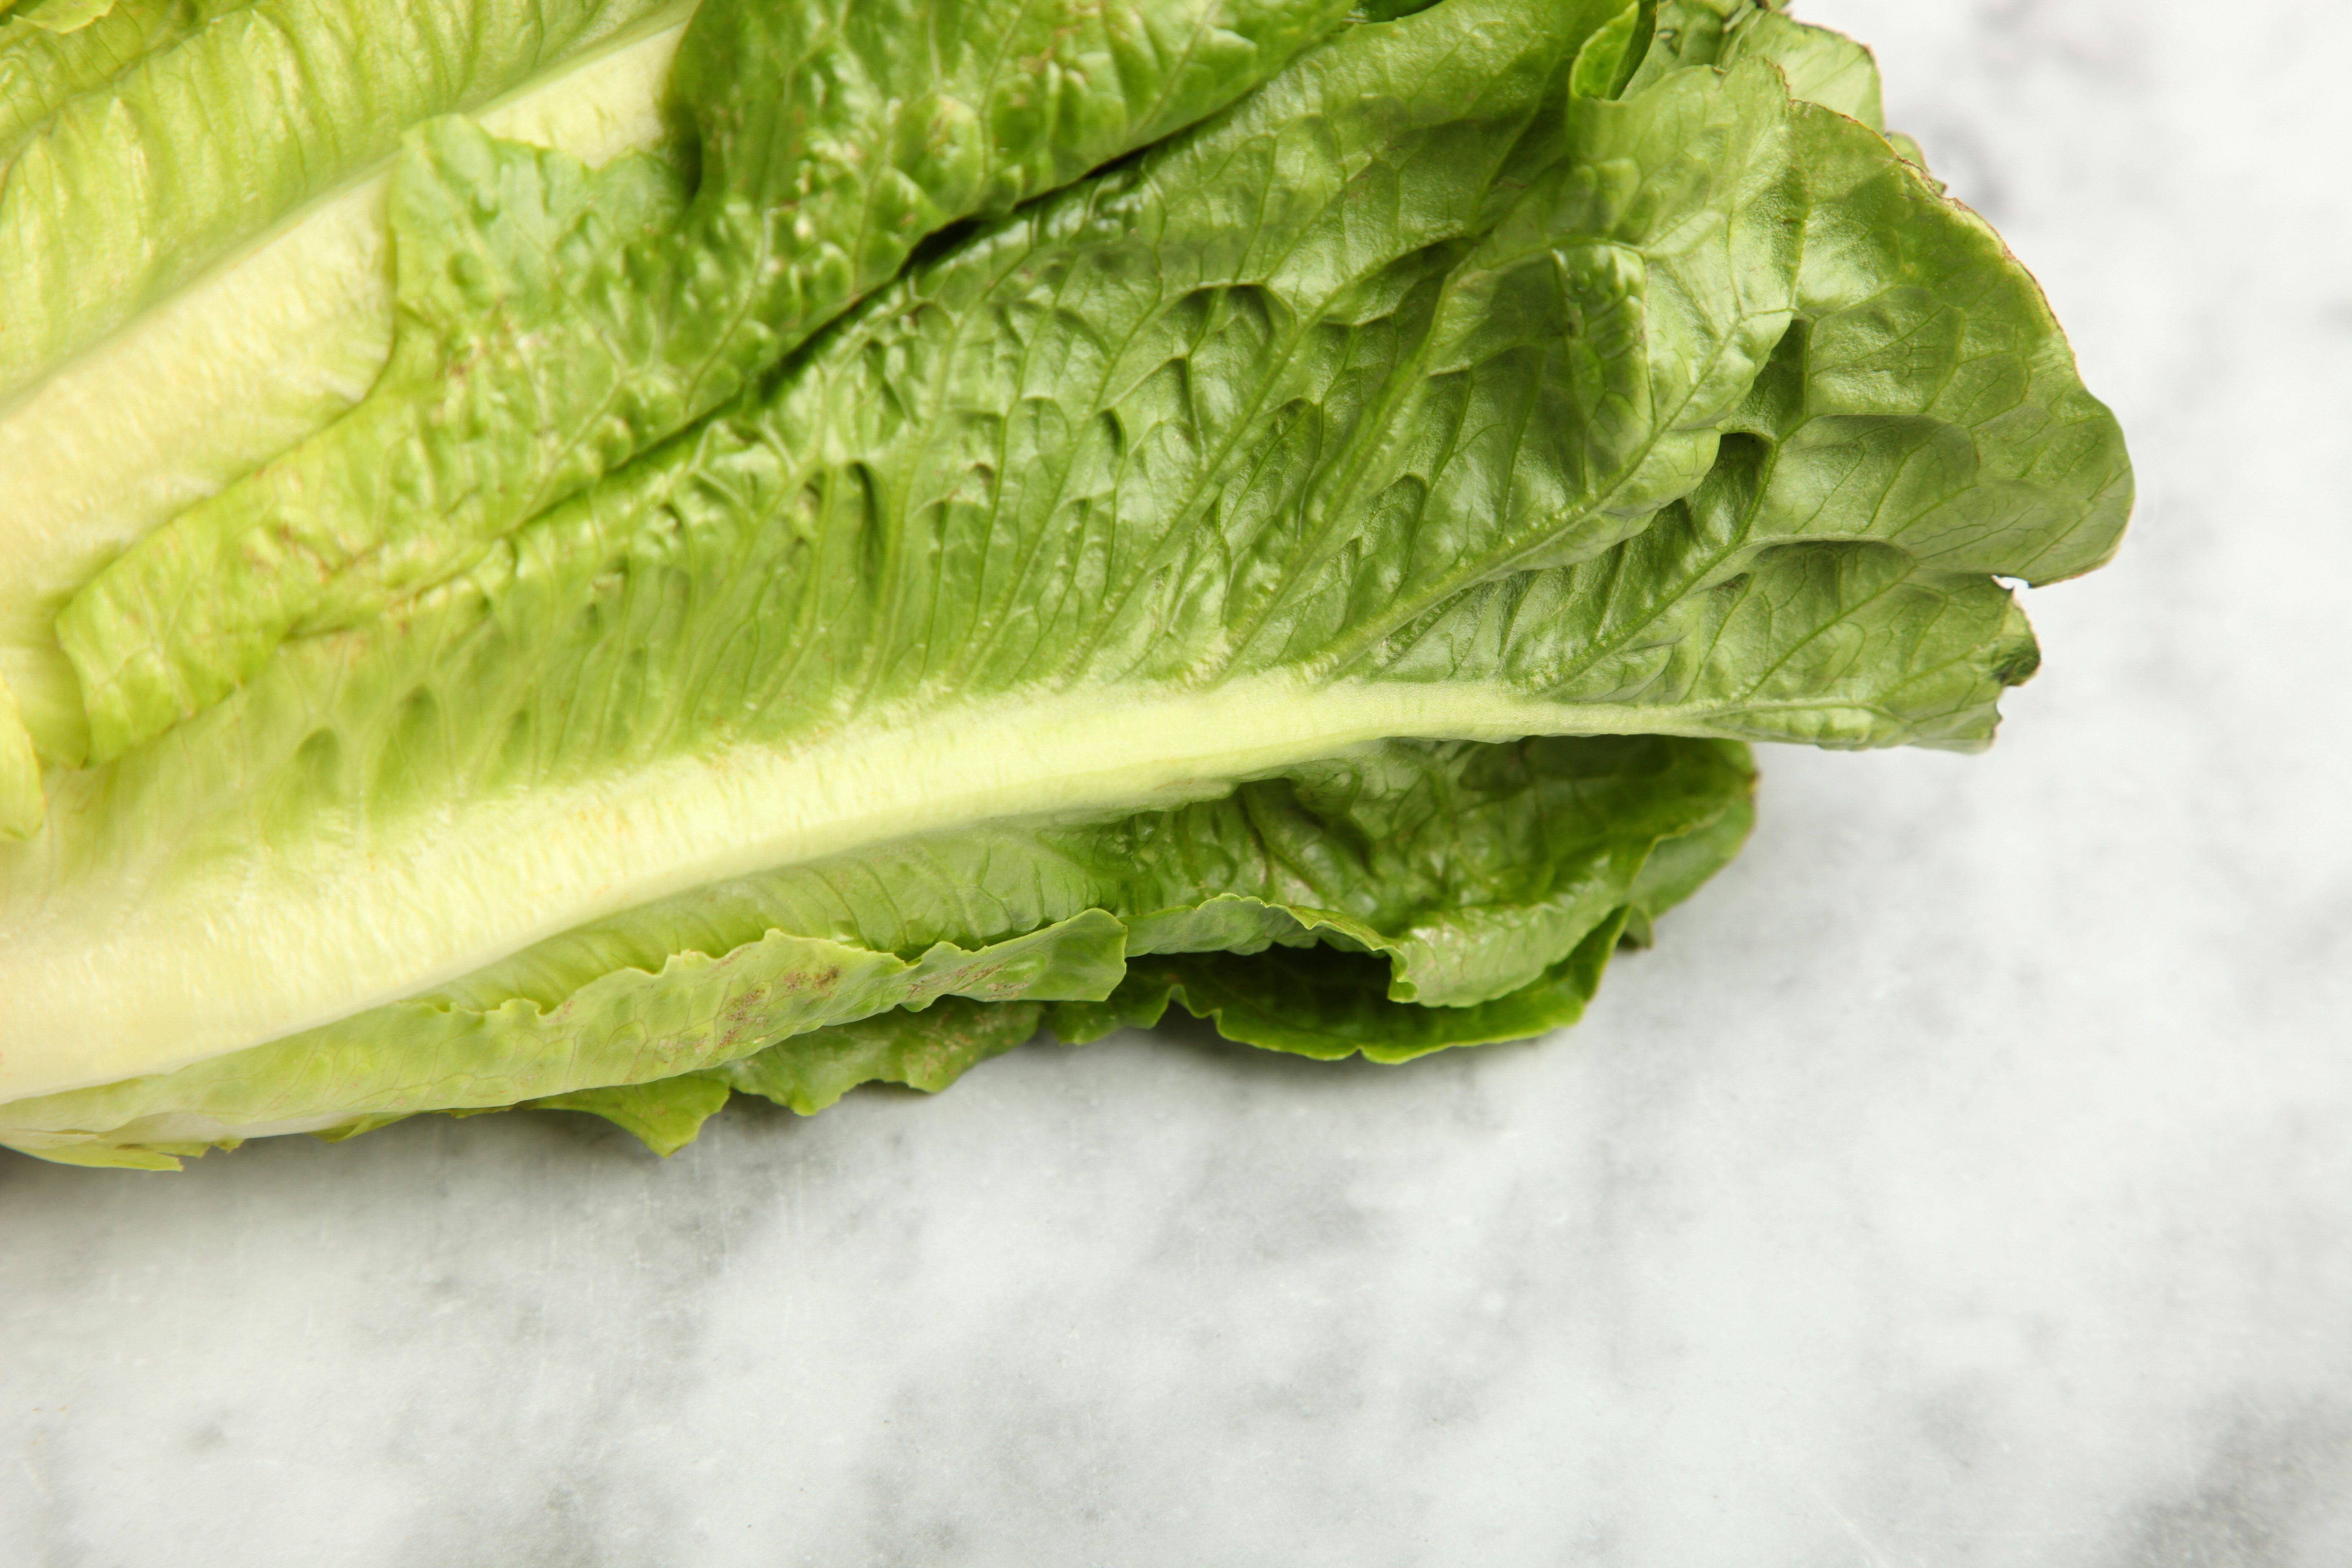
135,974
231,369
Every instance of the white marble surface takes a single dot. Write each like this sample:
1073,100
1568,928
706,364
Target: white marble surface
1966,1179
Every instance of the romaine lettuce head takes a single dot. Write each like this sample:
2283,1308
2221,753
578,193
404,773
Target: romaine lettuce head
835,536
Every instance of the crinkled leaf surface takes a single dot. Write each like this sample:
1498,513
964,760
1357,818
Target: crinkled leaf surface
1465,873
1325,1005
927,1050
1406,398
124,174
556,342
41,69
1433,389
263,350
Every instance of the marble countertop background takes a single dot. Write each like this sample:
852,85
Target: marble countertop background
1965,1180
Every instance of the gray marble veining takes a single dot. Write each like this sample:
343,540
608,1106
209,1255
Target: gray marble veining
1965,1179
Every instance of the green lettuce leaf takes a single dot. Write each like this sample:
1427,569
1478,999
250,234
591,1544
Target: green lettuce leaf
1435,420
1325,1005
119,189
1821,66
556,344
665,1116
56,16
42,69
809,604
927,1050
1318,1001
265,349
1468,874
